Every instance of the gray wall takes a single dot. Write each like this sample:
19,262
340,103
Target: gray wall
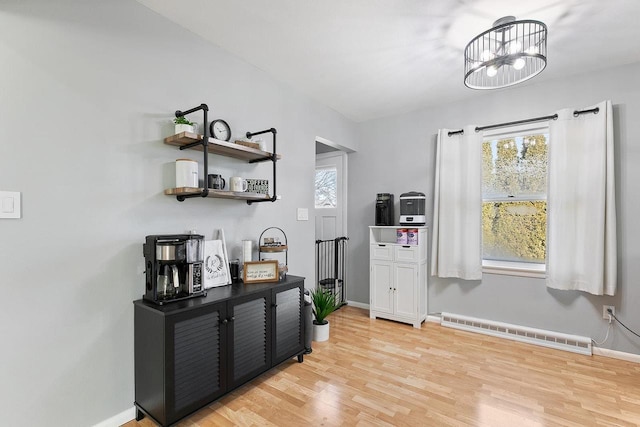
87,94
397,155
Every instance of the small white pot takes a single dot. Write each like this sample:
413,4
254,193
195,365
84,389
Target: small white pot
321,332
184,128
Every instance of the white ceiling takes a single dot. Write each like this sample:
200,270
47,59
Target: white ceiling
373,58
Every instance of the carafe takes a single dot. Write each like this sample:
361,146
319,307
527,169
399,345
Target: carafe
168,282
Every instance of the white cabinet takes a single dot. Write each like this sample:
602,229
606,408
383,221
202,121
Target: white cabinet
398,276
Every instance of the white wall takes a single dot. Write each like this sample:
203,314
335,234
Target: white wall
397,155
87,93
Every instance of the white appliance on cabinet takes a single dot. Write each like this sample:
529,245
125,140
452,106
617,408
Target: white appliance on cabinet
397,276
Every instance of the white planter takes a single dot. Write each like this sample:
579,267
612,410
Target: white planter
184,128
321,332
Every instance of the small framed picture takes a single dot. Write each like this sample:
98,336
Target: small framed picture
260,271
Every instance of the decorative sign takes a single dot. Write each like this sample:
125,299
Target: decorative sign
260,271
216,265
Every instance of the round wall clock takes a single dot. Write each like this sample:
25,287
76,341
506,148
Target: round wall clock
220,130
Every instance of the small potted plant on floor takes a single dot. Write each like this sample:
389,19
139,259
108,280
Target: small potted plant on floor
324,303
183,125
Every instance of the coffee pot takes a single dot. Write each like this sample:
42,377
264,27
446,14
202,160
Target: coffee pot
173,267
168,282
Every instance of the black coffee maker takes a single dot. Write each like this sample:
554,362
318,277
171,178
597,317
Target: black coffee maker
384,209
173,267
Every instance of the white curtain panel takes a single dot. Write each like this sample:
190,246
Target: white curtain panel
457,229
581,213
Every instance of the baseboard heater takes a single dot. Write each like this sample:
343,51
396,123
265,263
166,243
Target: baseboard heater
557,340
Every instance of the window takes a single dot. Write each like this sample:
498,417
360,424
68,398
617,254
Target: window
326,181
514,200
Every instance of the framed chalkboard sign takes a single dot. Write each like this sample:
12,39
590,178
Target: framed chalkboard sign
260,271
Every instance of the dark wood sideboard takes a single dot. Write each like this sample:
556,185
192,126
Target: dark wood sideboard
190,353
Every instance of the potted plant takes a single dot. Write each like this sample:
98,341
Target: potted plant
324,303
183,125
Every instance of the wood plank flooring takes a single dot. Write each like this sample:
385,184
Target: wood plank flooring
382,373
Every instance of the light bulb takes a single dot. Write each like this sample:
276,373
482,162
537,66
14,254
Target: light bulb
487,55
492,71
515,47
518,64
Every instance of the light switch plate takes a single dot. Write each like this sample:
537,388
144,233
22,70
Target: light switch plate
303,214
10,204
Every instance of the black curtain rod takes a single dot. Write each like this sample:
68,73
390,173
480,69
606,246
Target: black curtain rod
519,122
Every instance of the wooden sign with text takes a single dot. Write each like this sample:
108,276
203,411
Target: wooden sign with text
260,271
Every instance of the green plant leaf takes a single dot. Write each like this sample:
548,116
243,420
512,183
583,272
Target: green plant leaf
324,303
182,120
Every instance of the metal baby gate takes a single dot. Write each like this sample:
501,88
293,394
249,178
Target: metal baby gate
331,267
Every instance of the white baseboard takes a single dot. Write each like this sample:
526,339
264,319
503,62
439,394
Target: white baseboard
615,354
358,304
430,318
433,318
119,419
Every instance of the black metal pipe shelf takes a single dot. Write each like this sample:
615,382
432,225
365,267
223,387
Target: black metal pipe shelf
204,143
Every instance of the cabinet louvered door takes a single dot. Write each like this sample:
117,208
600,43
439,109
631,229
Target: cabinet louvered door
194,360
288,327
250,337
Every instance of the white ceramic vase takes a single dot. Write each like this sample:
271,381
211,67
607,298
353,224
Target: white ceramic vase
184,128
321,332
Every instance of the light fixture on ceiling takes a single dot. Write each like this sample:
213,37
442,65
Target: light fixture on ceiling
509,53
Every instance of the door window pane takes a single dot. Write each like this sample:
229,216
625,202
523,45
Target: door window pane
326,185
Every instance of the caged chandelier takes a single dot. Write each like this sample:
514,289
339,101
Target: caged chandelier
509,53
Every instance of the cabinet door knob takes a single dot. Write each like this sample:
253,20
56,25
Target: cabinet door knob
232,319
274,305
225,321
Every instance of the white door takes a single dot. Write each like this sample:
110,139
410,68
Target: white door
330,195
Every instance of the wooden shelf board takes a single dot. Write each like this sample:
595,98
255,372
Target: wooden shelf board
216,146
216,194
281,248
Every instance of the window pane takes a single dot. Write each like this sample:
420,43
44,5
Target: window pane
326,180
514,231
515,166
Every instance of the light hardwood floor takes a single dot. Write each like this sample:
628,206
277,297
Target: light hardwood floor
382,373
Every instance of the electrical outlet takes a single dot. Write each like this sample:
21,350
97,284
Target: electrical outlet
605,313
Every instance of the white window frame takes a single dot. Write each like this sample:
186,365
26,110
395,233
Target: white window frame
513,268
